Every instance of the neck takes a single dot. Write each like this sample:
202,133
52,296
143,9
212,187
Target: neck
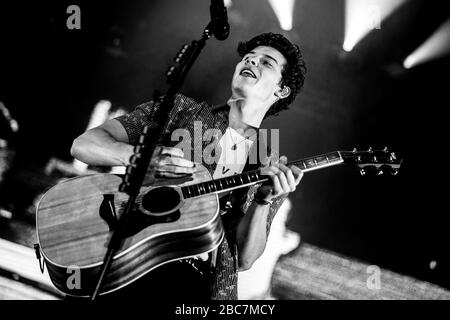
257,176
244,114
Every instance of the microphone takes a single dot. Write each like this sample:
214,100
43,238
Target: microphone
219,19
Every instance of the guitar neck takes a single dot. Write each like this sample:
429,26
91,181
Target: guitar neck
253,177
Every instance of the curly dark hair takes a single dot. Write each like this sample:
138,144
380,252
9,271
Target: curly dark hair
293,73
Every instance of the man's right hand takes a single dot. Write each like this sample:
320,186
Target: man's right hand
168,162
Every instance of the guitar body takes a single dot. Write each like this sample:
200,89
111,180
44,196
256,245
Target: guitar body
75,220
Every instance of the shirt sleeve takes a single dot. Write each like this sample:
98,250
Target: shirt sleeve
145,115
135,121
274,207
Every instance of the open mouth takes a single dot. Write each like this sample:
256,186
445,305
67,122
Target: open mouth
247,73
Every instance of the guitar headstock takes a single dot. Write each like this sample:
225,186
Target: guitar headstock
374,161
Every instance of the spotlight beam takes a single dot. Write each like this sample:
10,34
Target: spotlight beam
284,10
363,16
436,46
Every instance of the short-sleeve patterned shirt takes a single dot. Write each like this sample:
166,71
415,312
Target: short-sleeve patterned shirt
191,115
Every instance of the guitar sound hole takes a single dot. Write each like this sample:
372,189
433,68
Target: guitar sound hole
161,199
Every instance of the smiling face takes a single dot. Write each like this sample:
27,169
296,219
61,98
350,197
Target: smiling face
257,76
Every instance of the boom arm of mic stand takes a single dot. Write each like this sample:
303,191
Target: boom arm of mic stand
139,165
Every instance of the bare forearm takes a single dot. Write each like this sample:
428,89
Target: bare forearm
98,147
251,235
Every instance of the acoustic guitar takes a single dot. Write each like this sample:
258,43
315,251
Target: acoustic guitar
172,219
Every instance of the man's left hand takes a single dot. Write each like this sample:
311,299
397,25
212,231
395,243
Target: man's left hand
284,179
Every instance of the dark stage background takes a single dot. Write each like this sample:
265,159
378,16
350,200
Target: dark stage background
52,77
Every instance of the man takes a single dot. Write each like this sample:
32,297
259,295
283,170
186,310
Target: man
265,81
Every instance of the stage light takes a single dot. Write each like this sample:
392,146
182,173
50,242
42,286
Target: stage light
284,10
436,46
363,16
6,214
227,3
433,264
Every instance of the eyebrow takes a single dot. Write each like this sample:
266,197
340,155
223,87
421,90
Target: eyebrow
267,56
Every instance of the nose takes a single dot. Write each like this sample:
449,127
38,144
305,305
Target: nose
252,61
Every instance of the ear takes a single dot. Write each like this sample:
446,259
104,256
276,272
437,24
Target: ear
282,93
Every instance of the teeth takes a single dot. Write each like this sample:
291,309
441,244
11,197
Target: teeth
248,72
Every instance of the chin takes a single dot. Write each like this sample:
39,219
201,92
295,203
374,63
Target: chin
239,90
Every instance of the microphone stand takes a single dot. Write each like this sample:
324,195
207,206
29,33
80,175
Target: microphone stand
143,151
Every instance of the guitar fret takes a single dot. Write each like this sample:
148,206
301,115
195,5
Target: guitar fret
310,163
321,160
197,190
333,156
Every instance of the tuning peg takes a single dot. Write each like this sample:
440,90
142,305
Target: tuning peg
394,172
380,172
385,149
362,171
355,150
370,149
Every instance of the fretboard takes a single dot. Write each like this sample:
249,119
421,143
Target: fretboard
252,177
